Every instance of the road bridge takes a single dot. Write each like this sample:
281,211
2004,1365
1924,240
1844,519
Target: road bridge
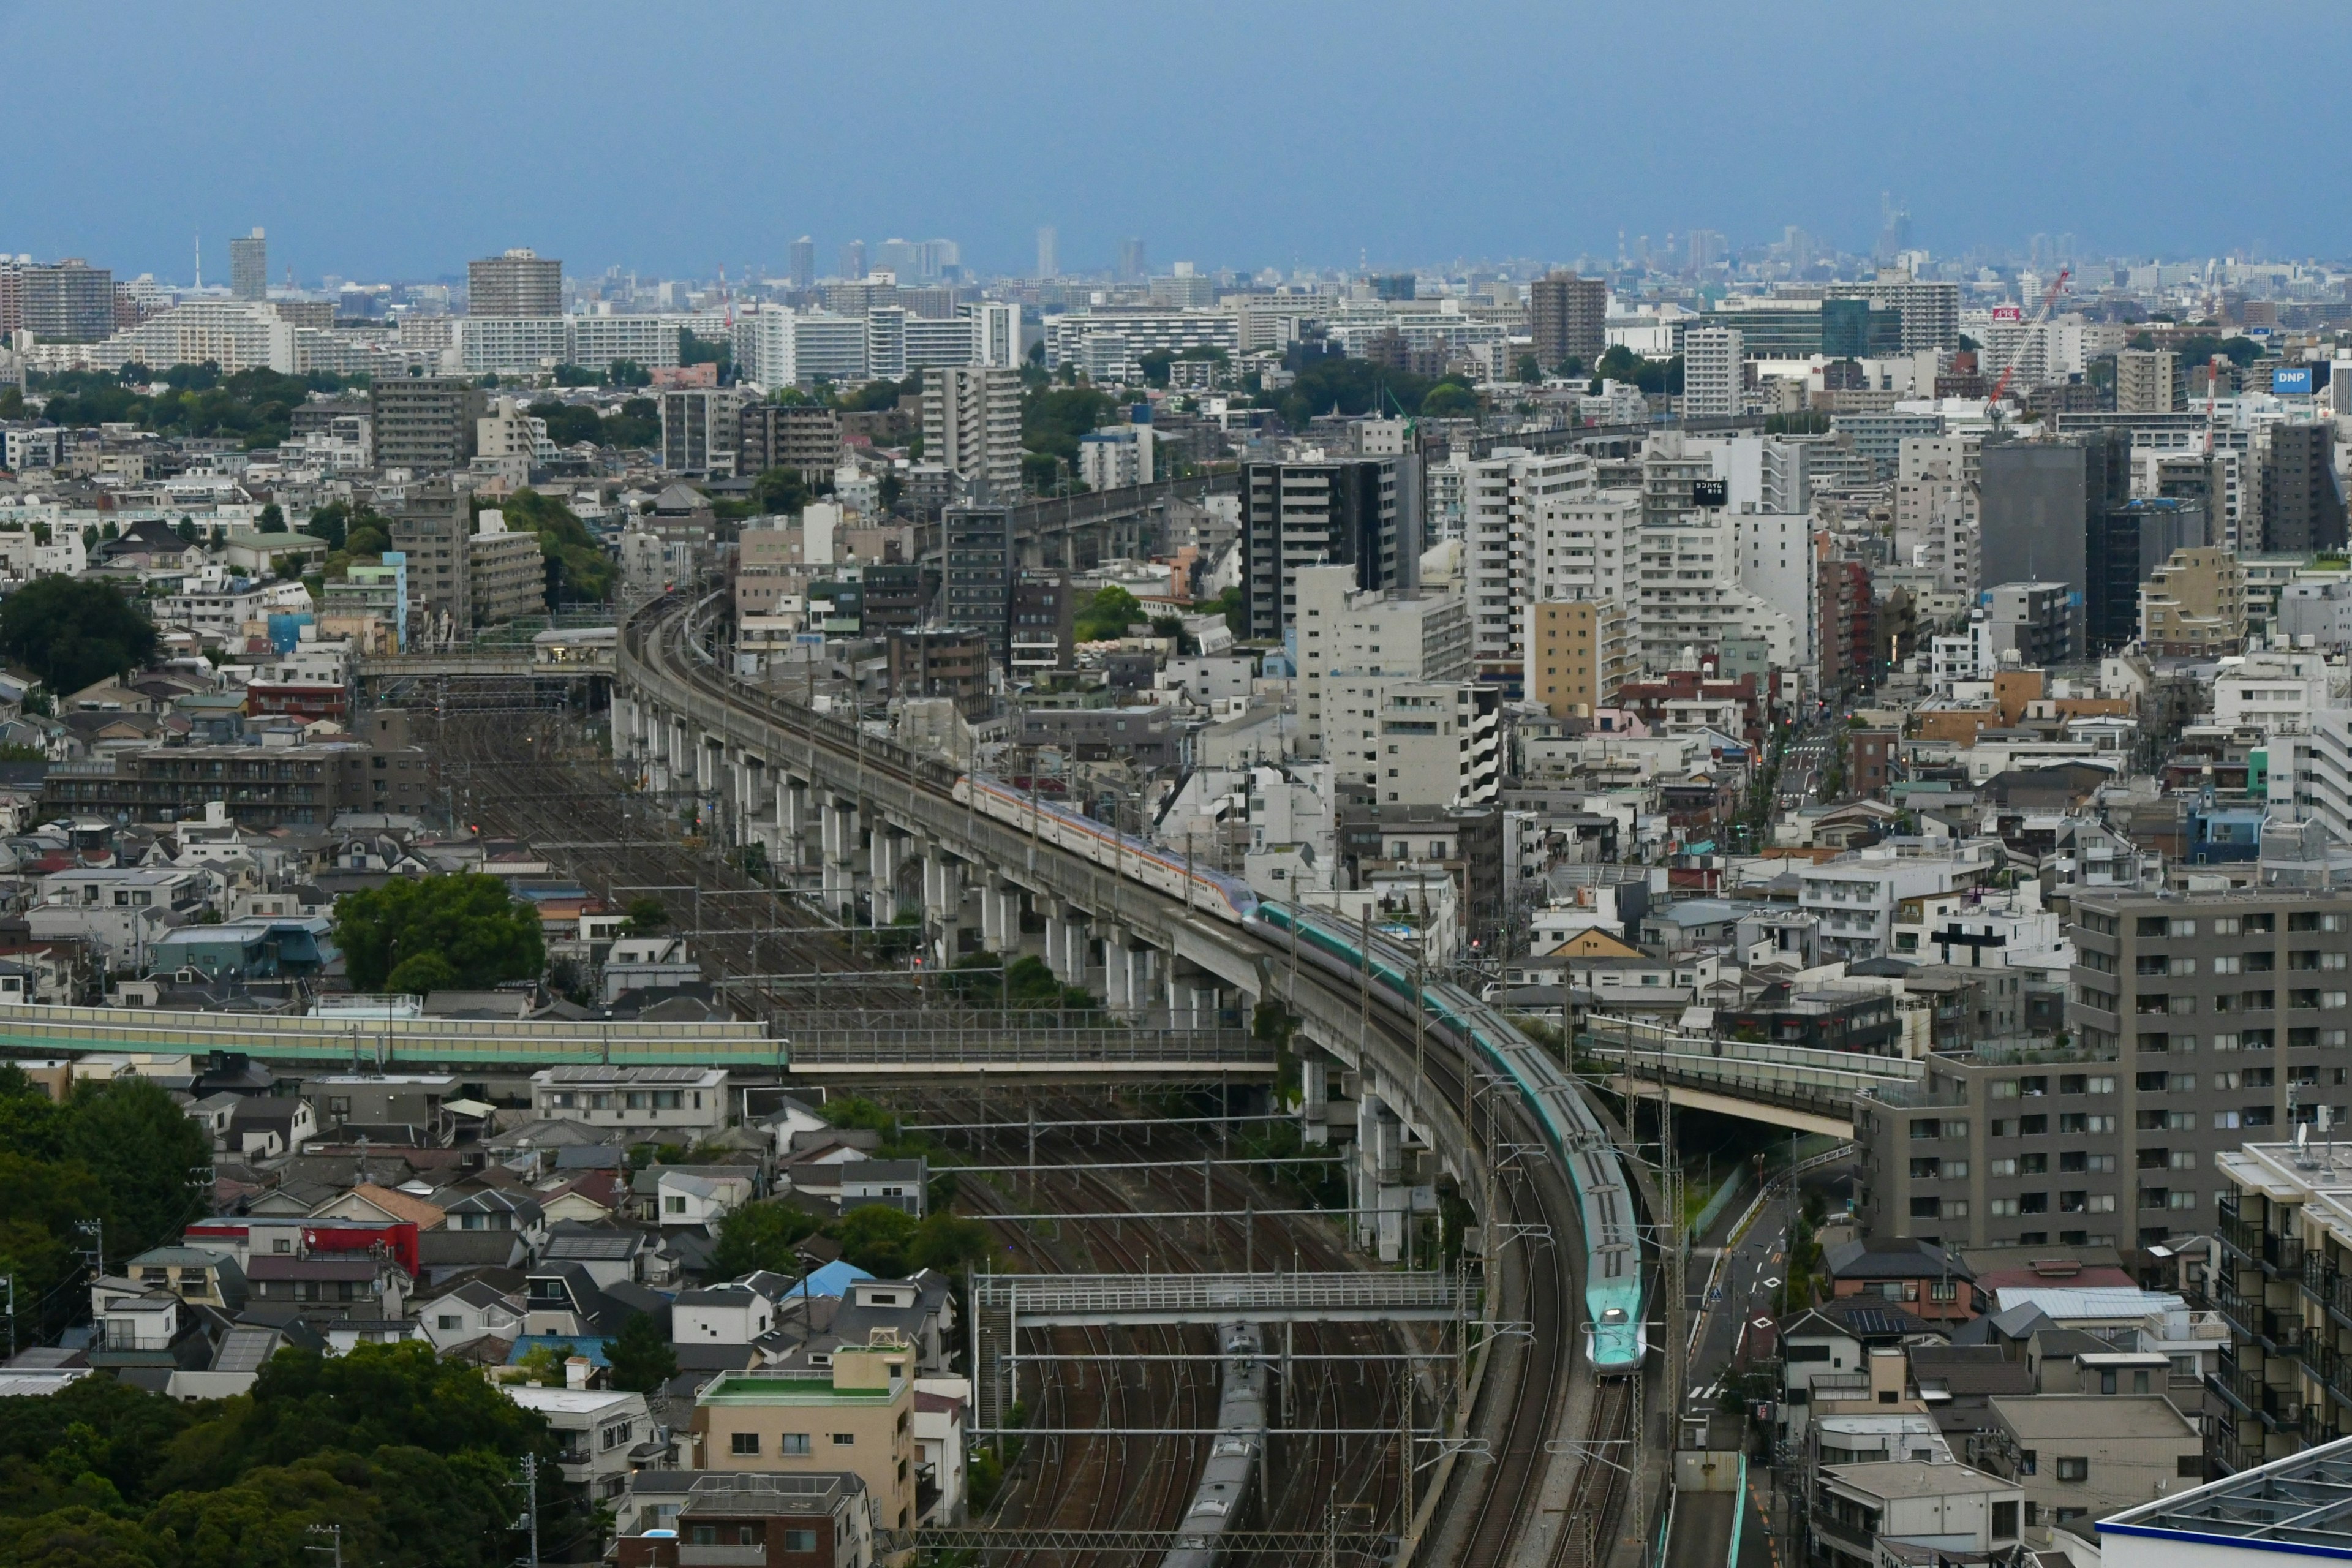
1785,1085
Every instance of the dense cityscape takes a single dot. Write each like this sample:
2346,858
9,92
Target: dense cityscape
1674,899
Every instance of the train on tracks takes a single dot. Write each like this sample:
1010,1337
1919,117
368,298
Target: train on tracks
1616,1340
1231,1474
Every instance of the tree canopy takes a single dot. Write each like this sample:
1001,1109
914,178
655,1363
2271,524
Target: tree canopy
424,933
120,1154
72,631
1107,615
582,572
1053,418
1622,364
411,1456
1336,383
253,407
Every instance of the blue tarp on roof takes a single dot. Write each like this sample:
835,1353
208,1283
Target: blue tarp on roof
834,1280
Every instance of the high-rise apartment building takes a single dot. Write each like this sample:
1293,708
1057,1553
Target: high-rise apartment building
2194,605
248,266
1049,253
1134,265
1569,319
1579,656
1507,495
803,270
2147,380
1930,311
971,427
519,282
978,561
852,264
425,424
2196,1024
2302,504
67,301
1040,623
699,429
1402,634
1713,377
1297,515
433,526
805,436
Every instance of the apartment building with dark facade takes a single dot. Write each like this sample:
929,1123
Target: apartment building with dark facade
2196,1024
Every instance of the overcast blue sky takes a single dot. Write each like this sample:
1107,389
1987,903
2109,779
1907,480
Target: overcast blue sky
396,139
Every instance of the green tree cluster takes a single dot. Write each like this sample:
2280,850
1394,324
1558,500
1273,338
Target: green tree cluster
986,979
1337,384
1622,365
416,934
1107,615
1053,418
73,631
120,1156
411,1456
887,1242
637,422
253,407
583,572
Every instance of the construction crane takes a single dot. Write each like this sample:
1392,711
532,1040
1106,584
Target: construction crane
2040,316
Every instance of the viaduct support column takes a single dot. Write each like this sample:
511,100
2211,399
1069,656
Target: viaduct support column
839,844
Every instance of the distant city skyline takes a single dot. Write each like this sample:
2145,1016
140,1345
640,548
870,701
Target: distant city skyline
380,144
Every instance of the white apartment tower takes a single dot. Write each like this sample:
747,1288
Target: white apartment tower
1711,372
1504,494
1401,635
972,425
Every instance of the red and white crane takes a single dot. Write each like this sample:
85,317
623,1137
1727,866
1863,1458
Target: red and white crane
2025,332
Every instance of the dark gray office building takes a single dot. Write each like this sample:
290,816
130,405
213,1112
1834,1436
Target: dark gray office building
1319,514
2303,509
2039,501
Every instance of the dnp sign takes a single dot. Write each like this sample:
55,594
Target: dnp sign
2294,383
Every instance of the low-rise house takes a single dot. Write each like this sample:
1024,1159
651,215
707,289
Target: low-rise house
2082,1456
598,1428
1943,1506
269,1126
1931,1283
193,1274
681,1104
467,1312
812,1519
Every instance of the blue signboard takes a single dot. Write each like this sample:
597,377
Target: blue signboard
2291,383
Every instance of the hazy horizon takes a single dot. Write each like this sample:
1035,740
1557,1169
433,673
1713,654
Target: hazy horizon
377,142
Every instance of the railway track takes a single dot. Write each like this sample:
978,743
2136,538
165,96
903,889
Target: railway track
1549,1389
1123,1481
524,775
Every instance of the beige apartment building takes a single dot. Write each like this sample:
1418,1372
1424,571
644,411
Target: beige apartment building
858,1415
2195,605
1578,656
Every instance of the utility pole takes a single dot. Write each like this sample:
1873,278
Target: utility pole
334,1534
8,1283
96,1252
530,1483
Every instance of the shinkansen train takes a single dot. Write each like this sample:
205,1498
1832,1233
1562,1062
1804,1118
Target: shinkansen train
1616,1340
